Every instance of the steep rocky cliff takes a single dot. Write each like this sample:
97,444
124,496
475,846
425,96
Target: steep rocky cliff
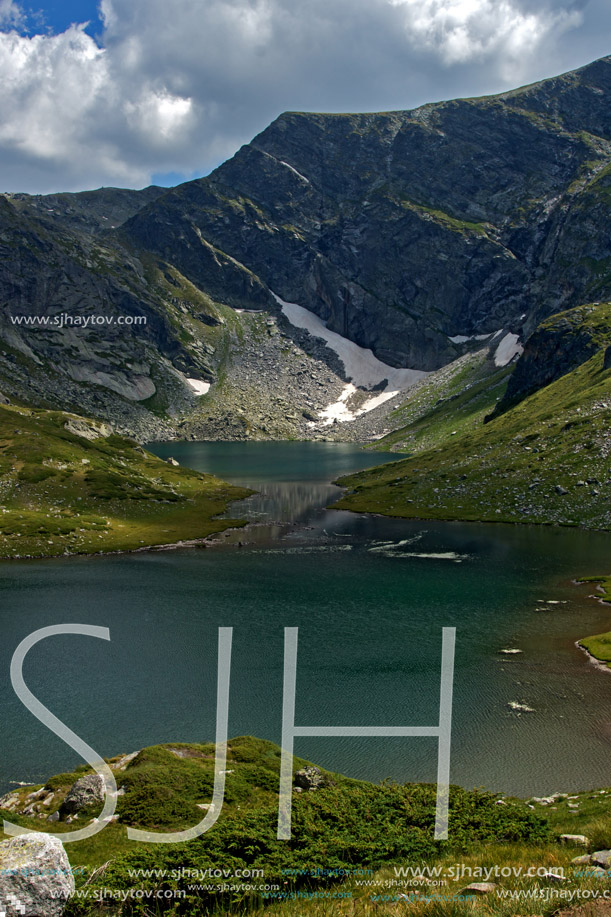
544,458
558,346
419,234
408,230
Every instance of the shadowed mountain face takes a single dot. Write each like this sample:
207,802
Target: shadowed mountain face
407,232
405,229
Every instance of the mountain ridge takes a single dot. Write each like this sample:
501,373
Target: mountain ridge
410,233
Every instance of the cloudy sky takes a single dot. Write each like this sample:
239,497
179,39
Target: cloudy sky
126,92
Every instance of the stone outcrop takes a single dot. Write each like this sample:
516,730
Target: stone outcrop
558,346
35,876
87,791
452,223
309,778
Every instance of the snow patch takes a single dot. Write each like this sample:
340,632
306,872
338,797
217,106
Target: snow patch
360,364
293,169
338,410
508,348
199,387
463,338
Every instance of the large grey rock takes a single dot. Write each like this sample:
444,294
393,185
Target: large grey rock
87,429
576,840
35,876
597,873
87,791
602,858
478,888
309,778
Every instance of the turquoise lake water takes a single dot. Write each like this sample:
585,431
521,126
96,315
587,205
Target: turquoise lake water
370,602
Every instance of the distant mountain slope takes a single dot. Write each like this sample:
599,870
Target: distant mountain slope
545,460
93,327
90,211
406,229
419,234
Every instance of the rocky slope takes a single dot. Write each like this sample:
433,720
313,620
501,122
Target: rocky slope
545,460
453,220
456,226
559,345
125,337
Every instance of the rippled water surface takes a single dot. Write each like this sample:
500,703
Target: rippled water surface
370,597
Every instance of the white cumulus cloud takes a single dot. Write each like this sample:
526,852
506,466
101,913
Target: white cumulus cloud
463,30
177,87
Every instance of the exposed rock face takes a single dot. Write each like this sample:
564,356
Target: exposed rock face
35,876
559,345
411,233
310,778
87,791
87,325
456,219
87,429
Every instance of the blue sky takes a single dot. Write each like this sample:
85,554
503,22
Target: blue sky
164,90
60,14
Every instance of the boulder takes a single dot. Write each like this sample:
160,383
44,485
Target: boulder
87,429
576,840
602,858
87,791
478,888
35,876
309,778
597,873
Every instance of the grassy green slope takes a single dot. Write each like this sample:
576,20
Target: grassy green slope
515,468
599,645
343,826
454,400
343,833
66,487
